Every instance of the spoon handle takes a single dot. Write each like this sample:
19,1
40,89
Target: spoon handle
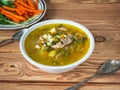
75,87
6,41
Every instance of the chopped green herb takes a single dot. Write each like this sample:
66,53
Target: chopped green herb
7,3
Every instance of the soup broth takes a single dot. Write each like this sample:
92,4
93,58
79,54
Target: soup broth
57,44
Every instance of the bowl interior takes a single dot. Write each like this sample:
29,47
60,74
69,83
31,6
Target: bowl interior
22,48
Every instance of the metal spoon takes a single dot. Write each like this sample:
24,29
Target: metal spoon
15,37
106,68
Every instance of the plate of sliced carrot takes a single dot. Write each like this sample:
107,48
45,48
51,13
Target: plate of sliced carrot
16,14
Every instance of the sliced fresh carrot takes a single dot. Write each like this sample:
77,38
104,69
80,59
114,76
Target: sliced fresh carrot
10,17
9,8
38,12
23,10
12,9
20,8
29,10
19,12
30,14
26,15
33,10
36,4
1,9
24,4
16,4
25,1
30,2
12,14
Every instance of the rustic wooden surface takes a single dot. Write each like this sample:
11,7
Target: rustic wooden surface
102,17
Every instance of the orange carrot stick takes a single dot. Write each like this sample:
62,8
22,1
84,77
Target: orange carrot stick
9,8
19,12
25,1
23,4
12,9
29,10
20,8
12,14
38,12
10,17
26,15
36,4
30,2
1,9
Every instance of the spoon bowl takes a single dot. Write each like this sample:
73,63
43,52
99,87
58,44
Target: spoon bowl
106,68
109,67
15,37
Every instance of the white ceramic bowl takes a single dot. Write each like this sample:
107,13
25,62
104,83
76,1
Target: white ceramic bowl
57,69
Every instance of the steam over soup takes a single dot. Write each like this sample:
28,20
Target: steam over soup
57,44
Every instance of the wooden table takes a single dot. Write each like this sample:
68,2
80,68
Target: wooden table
101,17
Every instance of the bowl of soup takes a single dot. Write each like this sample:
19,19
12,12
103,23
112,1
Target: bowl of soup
57,45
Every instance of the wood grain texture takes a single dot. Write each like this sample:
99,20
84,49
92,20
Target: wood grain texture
101,17
16,68
86,1
55,86
84,11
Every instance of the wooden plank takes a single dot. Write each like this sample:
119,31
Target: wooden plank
86,1
83,7
13,67
10,48
7,32
81,15
55,86
83,11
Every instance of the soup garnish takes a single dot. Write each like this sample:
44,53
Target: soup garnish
57,44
